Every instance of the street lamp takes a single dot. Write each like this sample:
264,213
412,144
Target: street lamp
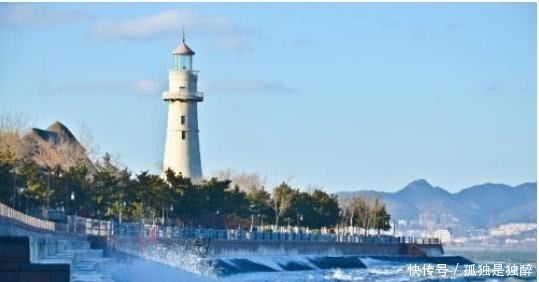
171,209
14,187
252,208
74,217
75,207
216,219
120,208
48,189
288,219
21,191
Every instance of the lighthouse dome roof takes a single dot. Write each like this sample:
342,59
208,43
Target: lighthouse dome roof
183,49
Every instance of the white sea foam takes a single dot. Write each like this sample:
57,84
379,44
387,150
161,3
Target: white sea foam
370,262
274,262
339,275
271,262
146,271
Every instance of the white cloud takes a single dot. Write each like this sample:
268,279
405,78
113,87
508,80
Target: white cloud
146,86
84,86
143,27
249,86
222,31
142,86
20,15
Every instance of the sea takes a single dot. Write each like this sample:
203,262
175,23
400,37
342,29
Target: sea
376,270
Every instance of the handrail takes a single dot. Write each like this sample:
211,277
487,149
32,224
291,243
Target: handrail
161,232
10,213
89,226
183,94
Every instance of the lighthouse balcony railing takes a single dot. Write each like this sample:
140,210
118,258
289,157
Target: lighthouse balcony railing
182,94
194,72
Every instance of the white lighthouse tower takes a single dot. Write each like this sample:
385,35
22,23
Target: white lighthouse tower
182,150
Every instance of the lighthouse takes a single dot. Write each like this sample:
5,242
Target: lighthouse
182,149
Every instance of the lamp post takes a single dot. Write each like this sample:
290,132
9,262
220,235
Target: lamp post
341,219
48,189
21,191
288,219
120,208
394,228
217,215
171,209
252,210
14,187
72,197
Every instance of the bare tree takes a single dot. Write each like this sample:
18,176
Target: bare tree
224,174
365,212
86,139
16,123
246,181
12,129
62,154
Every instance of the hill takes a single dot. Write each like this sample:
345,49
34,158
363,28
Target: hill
484,205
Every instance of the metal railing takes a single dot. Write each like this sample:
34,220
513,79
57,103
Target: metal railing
75,225
161,232
18,217
88,226
183,94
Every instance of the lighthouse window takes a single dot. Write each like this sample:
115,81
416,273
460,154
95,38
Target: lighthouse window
186,62
183,135
183,119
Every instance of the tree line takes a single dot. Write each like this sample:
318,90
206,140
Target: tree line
40,175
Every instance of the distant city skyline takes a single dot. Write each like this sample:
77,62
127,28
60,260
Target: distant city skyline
340,96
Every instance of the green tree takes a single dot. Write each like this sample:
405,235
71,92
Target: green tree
261,199
7,167
282,202
326,209
383,219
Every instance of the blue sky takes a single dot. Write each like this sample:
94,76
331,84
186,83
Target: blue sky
341,96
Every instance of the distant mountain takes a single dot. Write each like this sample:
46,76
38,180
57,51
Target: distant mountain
56,133
480,206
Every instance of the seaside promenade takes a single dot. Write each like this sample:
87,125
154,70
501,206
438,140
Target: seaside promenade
84,244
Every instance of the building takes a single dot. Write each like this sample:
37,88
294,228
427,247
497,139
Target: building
511,229
182,149
443,234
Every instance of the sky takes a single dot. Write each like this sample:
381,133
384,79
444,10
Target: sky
340,96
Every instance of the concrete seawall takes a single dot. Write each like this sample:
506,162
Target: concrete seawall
42,244
230,248
239,248
15,264
229,257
